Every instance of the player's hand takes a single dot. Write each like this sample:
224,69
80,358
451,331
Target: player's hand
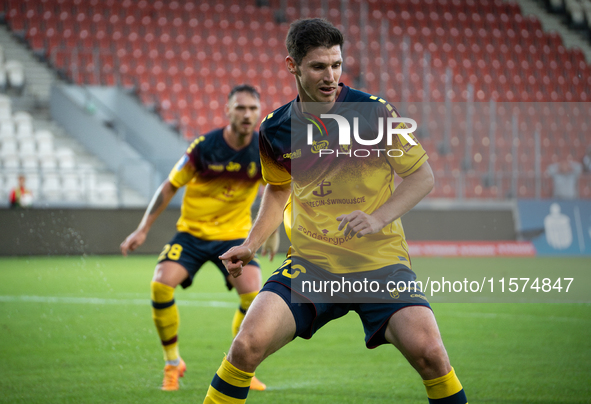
133,241
359,223
271,245
235,258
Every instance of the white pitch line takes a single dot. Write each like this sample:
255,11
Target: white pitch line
101,301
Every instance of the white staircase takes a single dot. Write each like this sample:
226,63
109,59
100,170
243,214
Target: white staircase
38,76
552,22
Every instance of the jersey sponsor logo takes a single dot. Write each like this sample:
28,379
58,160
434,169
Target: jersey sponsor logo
233,166
252,169
322,192
321,145
216,167
323,236
335,201
294,155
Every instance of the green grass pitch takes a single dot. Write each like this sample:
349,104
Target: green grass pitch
79,330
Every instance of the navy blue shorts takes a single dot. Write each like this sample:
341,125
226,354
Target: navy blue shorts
311,315
192,252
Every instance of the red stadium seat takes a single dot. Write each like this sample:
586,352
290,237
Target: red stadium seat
189,52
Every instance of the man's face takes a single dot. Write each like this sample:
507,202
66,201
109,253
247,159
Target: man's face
243,110
319,74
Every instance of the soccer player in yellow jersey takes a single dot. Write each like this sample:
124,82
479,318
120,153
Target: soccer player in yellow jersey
342,211
222,174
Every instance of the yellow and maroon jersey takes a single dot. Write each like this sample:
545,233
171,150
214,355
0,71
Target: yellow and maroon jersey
222,184
329,179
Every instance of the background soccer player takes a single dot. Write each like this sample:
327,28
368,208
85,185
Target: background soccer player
374,239
221,170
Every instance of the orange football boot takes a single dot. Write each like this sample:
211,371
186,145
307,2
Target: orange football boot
171,376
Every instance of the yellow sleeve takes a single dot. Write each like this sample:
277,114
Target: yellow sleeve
182,172
409,157
273,173
184,169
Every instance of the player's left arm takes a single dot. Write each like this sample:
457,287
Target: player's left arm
413,188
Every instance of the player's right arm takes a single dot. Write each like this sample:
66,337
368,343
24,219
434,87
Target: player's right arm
159,202
270,214
268,219
180,175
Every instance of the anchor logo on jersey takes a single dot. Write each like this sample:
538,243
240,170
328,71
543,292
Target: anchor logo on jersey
322,192
228,191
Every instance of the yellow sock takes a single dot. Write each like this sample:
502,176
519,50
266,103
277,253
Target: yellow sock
245,302
166,317
229,385
445,389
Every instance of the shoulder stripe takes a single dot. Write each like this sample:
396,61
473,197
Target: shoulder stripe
267,117
195,143
374,98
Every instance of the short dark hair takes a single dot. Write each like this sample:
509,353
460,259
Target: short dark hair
245,88
311,33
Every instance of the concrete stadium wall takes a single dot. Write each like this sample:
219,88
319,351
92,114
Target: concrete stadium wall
459,225
78,231
93,231
117,155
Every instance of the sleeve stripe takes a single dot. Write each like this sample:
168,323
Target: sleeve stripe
414,167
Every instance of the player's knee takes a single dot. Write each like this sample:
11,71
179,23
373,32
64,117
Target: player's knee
160,275
170,274
246,350
431,358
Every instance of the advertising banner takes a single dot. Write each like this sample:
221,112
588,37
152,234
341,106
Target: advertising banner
556,227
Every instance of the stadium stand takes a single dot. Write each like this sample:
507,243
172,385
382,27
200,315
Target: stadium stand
58,171
181,57
576,13
56,174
